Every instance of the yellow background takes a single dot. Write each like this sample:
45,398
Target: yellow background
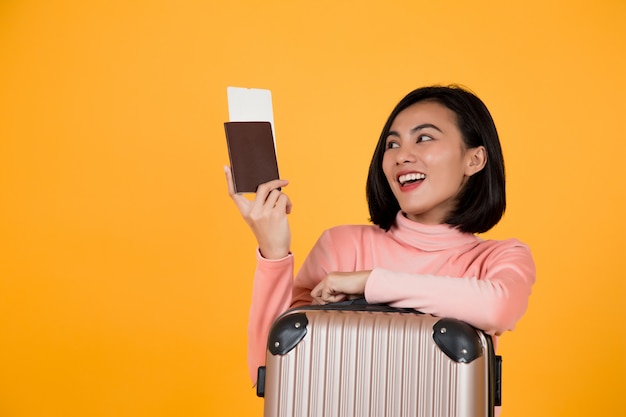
125,270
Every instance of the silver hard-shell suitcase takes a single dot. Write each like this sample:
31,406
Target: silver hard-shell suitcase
347,360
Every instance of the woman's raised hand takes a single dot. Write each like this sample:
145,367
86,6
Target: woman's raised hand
266,215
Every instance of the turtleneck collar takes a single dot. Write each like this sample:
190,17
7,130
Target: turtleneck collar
429,238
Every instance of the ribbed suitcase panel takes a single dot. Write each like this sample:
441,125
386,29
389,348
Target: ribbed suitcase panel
364,364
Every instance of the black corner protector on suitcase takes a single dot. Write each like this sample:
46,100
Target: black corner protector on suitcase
286,333
260,382
458,340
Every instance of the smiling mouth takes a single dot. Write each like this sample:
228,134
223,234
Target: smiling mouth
410,178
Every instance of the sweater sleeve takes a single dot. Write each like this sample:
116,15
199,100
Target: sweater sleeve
274,291
493,302
271,296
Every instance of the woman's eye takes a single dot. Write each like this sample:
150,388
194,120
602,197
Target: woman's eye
392,145
424,138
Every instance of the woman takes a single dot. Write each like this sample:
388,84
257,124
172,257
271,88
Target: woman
436,179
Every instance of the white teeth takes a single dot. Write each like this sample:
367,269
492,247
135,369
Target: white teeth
410,177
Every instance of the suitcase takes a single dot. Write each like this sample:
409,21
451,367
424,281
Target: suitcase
359,360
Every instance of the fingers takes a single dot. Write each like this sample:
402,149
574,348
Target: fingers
272,198
324,294
278,200
241,202
338,286
287,204
267,195
265,189
273,208
229,180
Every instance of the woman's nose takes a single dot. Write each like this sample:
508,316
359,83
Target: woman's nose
405,155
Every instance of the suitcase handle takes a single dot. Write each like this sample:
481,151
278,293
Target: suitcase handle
359,304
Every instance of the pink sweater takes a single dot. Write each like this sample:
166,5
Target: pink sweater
434,269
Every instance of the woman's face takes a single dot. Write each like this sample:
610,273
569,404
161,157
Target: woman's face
426,161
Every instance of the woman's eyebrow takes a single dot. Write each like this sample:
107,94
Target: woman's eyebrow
425,126
416,129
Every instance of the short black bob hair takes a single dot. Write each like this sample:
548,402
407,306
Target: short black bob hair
482,201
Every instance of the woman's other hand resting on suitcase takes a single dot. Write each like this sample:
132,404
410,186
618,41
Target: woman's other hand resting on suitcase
266,215
340,286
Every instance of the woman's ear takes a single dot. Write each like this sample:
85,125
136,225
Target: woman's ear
476,160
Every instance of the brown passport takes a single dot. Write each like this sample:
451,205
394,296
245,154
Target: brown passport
252,154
